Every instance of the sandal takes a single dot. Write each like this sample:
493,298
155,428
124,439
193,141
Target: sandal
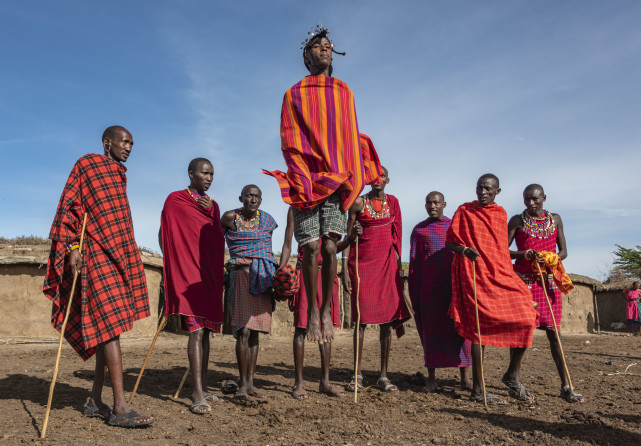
230,387
95,411
569,395
518,391
197,405
356,382
210,397
131,418
492,400
386,385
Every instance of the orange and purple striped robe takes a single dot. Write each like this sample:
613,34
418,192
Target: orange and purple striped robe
323,150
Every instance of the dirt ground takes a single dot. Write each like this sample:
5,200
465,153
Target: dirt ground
598,363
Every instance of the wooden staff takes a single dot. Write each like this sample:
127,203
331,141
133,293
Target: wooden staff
556,329
340,296
62,329
358,326
182,381
478,330
144,364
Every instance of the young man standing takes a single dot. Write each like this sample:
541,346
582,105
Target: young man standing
111,292
482,268
329,162
193,248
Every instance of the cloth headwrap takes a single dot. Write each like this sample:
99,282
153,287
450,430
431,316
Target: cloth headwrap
257,246
552,263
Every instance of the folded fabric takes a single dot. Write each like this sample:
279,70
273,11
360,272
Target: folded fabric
552,263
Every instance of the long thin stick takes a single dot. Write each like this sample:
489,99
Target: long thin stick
478,330
340,299
357,330
182,381
556,329
62,330
144,364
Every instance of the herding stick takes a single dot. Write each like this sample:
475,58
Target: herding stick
182,381
556,329
358,326
62,330
144,364
478,330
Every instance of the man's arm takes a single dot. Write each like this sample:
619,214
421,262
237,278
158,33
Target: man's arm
468,252
356,209
560,237
512,228
227,221
286,251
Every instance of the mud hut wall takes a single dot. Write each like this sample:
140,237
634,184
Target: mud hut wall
25,311
578,310
612,308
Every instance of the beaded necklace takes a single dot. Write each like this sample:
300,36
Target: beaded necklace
249,224
539,227
196,195
382,212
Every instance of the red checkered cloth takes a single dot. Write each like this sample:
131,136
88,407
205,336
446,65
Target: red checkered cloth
300,302
253,311
195,323
381,289
523,268
111,292
506,315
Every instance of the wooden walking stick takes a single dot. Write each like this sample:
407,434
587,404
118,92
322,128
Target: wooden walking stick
556,329
358,326
62,330
478,330
144,364
340,296
182,382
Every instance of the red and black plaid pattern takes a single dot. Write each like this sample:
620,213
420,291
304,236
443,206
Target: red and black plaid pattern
111,292
506,315
286,281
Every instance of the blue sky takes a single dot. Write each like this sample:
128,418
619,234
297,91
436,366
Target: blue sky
533,91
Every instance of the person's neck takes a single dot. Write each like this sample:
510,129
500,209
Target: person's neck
319,71
380,194
248,214
538,213
195,189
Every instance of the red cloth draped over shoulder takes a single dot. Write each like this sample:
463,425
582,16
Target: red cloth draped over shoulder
506,314
323,149
111,292
381,289
193,254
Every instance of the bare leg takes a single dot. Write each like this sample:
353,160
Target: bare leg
195,355
360,332
205,361
113,359
310,279
511,377
430,383
325,386
251,369
299,392
477,378
98,381
328,274
466,378
385,336
242,357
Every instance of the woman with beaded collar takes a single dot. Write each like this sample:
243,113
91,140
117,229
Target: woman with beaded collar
537,231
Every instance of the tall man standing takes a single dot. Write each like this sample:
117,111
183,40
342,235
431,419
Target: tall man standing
248,232
538,233
430,287
193,248
482,267
380,300
112,291
328,164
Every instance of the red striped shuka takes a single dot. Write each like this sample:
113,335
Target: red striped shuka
323,149
111,292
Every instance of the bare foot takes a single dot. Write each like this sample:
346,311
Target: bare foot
327,328
466,385
430,386
331,390
241,393
253,391
299,393
314,330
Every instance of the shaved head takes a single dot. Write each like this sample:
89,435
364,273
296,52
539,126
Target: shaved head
249,186
490,176
434,192
111,130
532,188
193,164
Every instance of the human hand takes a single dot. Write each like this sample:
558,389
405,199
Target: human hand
530,254
357,230
471,253
347,282
204,202
75,260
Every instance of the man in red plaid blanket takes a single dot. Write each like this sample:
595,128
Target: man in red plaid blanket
482,269
111,292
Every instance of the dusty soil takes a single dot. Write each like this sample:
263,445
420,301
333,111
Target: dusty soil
610,414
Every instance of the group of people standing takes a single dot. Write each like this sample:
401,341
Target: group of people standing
464,290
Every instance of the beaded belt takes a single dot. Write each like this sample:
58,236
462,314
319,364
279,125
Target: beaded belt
530,279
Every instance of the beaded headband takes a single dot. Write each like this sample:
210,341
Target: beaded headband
318,31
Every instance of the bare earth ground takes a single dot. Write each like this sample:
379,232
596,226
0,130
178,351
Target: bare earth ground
610,413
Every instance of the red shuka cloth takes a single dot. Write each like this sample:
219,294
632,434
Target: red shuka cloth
111,292
506,314
193,254
381,296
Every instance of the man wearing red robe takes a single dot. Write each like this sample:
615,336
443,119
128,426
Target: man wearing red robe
193,254
482,268
111,292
